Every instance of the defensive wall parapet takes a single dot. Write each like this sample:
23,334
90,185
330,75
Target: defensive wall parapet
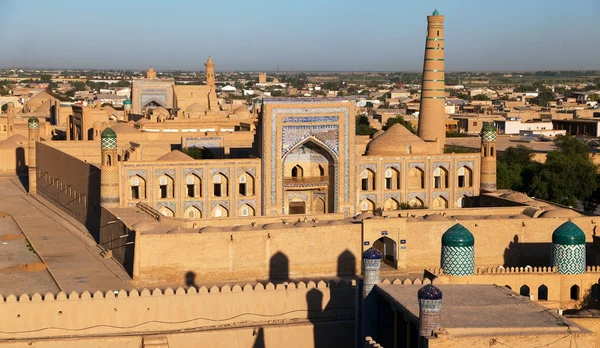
133,312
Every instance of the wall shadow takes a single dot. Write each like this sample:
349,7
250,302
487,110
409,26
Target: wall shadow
259,342
279,268
519,254
190,279
346,264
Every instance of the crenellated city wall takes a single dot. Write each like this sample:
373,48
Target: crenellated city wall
233,308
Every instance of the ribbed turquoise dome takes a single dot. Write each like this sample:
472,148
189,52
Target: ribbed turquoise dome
127,102
435,13
458,236
108,133
568,234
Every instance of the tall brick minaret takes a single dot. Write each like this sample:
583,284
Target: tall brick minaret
432,117
33,125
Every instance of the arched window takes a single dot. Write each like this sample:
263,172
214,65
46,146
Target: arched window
297,171
543,293
392,179
575,292
108,160
524,291
367,180
465,177
492,151
165,187
220,185
508,287
246,185
440,178
367,205
321,170
246,210
193,186
416,179
137,187
219,211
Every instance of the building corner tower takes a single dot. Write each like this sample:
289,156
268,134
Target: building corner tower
33,126
488,157
109,170
432,116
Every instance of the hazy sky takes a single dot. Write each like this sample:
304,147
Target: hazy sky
298,34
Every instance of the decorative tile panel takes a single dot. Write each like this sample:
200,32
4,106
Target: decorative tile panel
568,259
458,261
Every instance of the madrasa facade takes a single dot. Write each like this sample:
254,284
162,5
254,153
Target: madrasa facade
301,155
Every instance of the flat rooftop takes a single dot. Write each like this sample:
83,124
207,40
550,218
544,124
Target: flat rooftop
481,309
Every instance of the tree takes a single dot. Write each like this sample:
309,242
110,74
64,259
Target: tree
515,169
481,97
198,152
568,176
79,86
399,119
362,126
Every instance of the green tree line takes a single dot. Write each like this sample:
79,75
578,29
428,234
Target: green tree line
568,177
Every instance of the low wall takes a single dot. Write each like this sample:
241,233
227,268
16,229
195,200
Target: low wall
498,241
248,312
280,254
529,280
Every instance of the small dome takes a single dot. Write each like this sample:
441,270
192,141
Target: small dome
108,133
560,212
127,102
516,197
372,254
435,217
435,13
196,107
429,292
488,127
108,139
33,122
211,229
568,234
394,141
458,236
304,224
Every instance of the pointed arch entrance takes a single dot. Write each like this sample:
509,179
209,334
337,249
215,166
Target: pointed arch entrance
388,248
309,178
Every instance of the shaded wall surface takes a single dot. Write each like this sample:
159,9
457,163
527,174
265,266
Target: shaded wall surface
71,184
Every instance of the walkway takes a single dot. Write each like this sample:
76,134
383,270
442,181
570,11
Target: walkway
69,253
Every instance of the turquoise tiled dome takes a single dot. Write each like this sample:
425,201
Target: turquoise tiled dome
458,251
435,13
568,249
568,234
458,236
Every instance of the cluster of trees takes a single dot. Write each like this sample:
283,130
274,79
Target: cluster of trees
399,119
196,152
568,176
362,126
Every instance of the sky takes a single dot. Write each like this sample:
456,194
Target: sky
306,35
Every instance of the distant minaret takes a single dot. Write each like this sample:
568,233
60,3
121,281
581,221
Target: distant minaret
109,170
33,125
488,157
10,119
210,72
432,117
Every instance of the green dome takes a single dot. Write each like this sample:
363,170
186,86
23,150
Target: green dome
435,13
127,102
489,127
568,234
33,122
108,133
458,236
